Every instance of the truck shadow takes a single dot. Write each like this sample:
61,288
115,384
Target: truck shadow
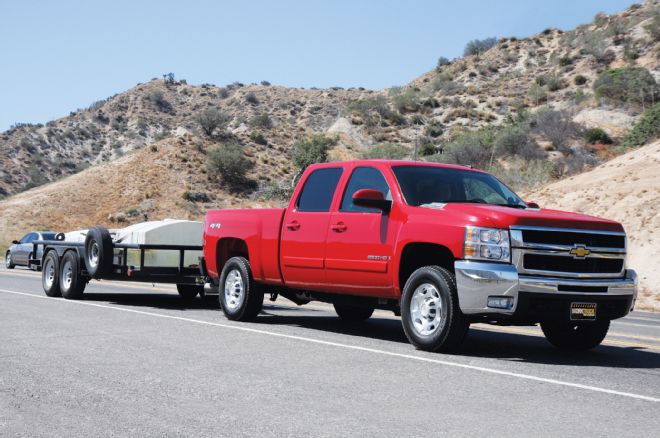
512,347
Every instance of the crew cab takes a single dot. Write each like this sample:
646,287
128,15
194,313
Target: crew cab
441,245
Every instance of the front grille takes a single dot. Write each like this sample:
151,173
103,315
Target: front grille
550,252
591,265
547,237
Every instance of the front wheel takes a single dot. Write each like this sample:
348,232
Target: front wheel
575,336
241,298
9,263
353,313
431,317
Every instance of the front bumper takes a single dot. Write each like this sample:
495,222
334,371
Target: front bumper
477,281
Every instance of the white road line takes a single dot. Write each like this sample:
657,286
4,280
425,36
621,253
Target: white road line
352,347
615,323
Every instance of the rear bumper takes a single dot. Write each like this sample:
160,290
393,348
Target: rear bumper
535,298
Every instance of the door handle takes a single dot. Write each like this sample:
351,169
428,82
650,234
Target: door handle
293,226
339,227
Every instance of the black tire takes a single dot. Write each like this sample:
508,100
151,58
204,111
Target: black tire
189,291
50,274
9,263
353,313
98,252
244,304
444,330
575,336
72,284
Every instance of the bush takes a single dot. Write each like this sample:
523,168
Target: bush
434,129
627,85
211,119
313,149
158,99
474,148
580,80
230,162
265,83
258,138
537,93
556,126
653,27
477,47
515,140
597,135
645,130
390,151
442,61
406,101
251,98
261,121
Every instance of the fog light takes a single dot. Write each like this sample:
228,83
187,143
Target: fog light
500,302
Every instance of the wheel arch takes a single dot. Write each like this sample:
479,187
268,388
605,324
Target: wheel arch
415,255
228,247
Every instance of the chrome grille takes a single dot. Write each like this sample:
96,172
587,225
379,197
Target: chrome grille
558,252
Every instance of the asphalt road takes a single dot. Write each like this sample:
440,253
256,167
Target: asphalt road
132,360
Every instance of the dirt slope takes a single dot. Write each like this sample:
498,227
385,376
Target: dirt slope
626,189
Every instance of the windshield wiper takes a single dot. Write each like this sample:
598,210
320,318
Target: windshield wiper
522,207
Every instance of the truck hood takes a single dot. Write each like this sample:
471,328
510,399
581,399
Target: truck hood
504,217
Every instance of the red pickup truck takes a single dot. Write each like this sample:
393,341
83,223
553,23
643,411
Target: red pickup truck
443,246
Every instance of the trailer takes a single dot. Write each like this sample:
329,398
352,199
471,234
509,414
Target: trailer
167,251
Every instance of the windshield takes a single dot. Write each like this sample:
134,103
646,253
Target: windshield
424,185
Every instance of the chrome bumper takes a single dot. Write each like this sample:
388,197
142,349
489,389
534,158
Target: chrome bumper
477,281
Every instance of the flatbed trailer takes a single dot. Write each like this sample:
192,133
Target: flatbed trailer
67,266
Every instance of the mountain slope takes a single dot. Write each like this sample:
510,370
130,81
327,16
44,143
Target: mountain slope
626,189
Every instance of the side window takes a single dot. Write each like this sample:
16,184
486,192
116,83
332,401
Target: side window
364,178
27,238
319,189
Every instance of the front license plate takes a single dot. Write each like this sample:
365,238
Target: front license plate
582,311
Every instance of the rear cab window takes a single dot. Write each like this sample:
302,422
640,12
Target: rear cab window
319,190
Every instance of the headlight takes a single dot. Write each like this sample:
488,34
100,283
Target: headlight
487,244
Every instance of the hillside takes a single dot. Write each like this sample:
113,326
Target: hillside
626,189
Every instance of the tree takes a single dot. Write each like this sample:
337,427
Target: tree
230,162
211,119
477,47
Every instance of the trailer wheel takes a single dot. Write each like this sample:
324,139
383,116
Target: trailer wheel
72,284
353,313
241,297
430,315
189,291
50,275
98,252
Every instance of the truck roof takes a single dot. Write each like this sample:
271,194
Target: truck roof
378,162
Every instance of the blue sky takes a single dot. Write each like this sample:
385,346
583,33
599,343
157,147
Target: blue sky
57,56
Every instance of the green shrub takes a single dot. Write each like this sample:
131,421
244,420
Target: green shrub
515,140
313,149
597,135
434,129
653,27
627,85
442,61
565,60
262,120
258,138
580,80
229,162
162,135
537,94
211,119
474,148
251,98
645,130
390,151
477,47
406,101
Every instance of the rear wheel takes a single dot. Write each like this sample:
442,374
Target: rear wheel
72,284
98,252
353,313
50,275
9,263
241,298
575,336
189,291
431,317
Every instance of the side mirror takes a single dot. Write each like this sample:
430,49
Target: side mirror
371,198
533,205
15,242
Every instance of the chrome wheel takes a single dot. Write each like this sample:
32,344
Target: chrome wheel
93,254
8,260
49,273
234,290
426,309
67,274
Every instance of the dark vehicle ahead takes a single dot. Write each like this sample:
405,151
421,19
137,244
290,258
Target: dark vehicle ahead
20,252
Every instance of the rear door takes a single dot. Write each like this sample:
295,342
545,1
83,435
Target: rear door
360,242
305,228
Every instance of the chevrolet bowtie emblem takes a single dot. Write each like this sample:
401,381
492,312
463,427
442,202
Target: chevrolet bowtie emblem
579,251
